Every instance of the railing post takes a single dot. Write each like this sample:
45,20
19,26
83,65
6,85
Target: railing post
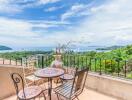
118,67
111,67
100,67
21,61
125,67
42,61
46,60
26,62
90,63
70,60
95,64
74,61
53,58
86,61
16,61
105,66
10,61
78,60
63,59
82,61
3,61
67,61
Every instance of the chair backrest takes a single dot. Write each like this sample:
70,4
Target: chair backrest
18,83
29,67
32,61
79,79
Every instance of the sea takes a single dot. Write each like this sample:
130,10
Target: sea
79,49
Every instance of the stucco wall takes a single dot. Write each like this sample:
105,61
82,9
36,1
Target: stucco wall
6,85
119,88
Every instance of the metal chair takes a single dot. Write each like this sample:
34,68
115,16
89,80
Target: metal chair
29,67
71,90
25,93
69,74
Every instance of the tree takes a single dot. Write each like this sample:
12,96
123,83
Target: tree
129,50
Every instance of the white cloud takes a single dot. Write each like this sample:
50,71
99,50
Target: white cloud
75,10
14,27
14,6
50,22
6,6
109,24
20,32
47,1
24,28
35,3
53,9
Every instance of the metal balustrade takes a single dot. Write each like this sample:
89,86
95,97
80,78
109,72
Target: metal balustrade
98,65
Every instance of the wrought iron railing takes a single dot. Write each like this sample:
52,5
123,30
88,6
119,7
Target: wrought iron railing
98,65
11,61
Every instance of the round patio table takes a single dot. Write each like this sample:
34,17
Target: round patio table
49,73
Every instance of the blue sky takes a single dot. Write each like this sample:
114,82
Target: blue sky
38,23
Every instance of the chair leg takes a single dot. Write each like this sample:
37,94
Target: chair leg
44,84
77,98
61,81
44,96
57,96
39,97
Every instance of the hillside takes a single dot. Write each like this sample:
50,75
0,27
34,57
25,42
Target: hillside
5,48
110,48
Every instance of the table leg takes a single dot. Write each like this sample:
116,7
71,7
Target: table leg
50,87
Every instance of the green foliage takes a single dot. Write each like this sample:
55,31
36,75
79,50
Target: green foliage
129,50
90,54
110,65
119,55
129,65
19,55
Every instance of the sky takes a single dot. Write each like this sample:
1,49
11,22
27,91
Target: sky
45,23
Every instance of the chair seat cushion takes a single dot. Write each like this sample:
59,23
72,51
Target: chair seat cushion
32,78
67,77
30,92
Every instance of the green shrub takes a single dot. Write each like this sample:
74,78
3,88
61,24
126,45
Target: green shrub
110,65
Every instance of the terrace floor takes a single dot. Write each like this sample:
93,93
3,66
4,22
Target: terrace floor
87,94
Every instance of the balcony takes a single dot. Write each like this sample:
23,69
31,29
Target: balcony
99,86
87,94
